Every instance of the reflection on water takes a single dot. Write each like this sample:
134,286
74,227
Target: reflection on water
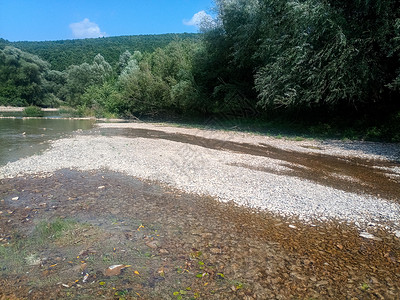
24,137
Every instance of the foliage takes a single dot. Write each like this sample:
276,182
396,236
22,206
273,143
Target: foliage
22,77
103,99
33,111
79,78
62,54
161,81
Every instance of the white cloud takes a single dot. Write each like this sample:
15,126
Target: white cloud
86,29
200,19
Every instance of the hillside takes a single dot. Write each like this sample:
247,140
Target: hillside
64,53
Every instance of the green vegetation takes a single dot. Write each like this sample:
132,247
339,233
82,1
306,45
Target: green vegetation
33,111
62,54
322,66
23,251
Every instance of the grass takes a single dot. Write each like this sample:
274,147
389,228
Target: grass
24,251
46,231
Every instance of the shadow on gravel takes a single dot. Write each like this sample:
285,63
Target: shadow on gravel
348,174
91,235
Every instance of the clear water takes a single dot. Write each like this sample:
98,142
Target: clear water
24,137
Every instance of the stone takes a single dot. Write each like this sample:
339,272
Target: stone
164,251
152,244
322,282
215,251
369,236
114,270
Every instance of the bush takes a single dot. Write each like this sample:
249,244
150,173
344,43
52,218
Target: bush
33,111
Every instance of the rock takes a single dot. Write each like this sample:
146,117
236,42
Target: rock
215,251
87,252
101,187
15,198
163,251
33,260
322,282
83,266
114,270
397,233
152,244
206,235
292,226
369,236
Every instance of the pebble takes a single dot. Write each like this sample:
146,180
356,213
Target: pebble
369,236
114,270
152,244
196,169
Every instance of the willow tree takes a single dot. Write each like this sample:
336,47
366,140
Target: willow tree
304,53
81,77
327,52
22,77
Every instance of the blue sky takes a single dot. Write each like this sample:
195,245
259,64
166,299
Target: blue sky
30,20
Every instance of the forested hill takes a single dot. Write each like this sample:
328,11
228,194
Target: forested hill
62,54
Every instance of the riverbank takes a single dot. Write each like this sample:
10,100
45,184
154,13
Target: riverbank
200,214
21,109
314,181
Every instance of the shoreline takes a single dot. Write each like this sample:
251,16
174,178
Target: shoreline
20,109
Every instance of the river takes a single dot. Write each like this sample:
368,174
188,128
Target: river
22,137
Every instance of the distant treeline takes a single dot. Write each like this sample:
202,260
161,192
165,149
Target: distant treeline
62,54
312,60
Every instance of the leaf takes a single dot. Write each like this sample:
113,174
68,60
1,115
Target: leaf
182,292
221,275
102,283
176,293
136,272
365,286
199,275
201,263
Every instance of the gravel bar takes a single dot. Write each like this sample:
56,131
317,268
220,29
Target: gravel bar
220,173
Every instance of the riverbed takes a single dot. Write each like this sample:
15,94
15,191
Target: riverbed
202,214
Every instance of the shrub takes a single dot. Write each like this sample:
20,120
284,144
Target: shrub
33,111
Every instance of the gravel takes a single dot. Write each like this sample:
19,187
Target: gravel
220,174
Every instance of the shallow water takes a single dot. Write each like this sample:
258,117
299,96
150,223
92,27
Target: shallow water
207,249
24,137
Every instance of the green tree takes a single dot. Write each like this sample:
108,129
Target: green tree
79,78
22,77
161,81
